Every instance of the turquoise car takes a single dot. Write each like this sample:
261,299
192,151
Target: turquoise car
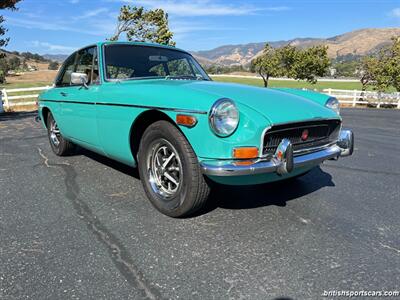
153,107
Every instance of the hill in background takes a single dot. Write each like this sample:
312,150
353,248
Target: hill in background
356,43
56,57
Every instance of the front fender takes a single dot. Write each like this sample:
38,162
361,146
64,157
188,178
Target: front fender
207,145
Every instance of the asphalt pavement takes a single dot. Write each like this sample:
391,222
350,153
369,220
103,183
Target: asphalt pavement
80,227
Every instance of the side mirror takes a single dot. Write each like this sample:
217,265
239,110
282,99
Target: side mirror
79,78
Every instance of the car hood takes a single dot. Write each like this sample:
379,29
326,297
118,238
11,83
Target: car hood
278,106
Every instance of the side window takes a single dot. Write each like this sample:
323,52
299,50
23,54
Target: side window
116,72
64,79
158,70
85,62
179,67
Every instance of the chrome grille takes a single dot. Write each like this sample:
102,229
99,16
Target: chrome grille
320,133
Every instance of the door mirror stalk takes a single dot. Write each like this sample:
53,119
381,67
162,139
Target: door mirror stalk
79,79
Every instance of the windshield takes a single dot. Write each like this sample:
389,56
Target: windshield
124,62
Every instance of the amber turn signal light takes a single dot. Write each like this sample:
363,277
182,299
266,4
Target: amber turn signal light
185,120
245,152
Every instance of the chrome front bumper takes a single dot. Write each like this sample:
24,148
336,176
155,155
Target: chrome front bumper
283,162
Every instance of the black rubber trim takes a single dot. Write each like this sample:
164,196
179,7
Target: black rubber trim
130,105
73,102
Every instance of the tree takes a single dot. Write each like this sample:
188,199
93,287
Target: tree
308,64
4,68
5,4
14,63
392,64
289,61
346,68
143,25
369,68
53,65
267,65
288,57
383,70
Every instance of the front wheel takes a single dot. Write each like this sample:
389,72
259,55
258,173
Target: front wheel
58,143
170,172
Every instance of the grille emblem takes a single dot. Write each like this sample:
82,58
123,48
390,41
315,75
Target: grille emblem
304,135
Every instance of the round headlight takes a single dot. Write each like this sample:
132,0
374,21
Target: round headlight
224,117
333,104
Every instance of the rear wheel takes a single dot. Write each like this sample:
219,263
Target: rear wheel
170,172
58,143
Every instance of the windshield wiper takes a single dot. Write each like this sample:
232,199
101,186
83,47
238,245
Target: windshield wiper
184,77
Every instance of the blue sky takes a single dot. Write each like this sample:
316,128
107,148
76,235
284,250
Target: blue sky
60,26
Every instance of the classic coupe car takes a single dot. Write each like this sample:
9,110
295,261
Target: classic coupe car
153,107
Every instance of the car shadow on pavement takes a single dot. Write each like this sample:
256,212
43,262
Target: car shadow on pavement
276,193
127,170
241,197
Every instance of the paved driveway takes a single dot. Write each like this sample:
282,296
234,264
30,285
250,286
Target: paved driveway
81,226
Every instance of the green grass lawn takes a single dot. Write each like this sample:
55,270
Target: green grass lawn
293,84
20,85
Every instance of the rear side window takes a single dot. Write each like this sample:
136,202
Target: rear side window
180,67
85,62
64,79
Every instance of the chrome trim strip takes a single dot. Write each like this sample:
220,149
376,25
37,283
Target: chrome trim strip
228,168
260,154
190,111
313,149
308,120
183,110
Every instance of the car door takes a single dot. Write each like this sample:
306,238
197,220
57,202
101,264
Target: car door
78,101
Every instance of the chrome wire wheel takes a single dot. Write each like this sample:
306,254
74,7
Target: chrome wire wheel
54,133
164,168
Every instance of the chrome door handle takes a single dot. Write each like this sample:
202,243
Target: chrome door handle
63,94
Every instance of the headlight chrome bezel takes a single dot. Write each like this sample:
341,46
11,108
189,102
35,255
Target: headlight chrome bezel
334,104
214,112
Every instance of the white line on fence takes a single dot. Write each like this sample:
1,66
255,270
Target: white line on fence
7,99
365,97
284,78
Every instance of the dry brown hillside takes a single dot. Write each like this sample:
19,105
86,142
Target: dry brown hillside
359,42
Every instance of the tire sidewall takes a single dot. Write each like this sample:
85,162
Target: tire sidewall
64,147
177,205
56,149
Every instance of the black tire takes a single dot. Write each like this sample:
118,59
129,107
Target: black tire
191,192
58,143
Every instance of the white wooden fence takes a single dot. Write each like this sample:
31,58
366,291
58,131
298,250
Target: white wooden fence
9,100
355,97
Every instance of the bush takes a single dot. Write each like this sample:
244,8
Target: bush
53,65
2,77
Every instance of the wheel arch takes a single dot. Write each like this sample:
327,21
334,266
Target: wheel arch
45,113
144,120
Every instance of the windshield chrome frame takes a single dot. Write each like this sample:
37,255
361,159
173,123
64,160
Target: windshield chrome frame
104,67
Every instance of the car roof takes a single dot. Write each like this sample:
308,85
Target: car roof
140,44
